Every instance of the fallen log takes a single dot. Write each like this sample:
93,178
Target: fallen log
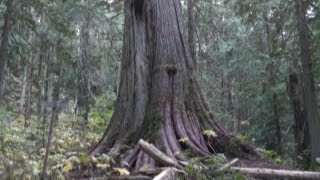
274,173
157,155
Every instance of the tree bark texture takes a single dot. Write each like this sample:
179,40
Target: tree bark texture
192,31
310,99
5,45
159,99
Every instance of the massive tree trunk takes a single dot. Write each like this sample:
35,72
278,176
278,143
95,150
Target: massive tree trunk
5,45
159,98
310,100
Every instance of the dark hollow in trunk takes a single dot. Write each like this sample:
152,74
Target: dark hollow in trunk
159,98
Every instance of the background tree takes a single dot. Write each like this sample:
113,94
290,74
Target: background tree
308,80
4,48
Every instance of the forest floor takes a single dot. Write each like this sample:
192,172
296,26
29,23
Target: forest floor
22,151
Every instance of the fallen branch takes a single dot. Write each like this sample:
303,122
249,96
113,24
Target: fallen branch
139,177
157,155
168,174
272,173
151,172
226,166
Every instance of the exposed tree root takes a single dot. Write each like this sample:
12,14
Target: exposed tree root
145,156
181,131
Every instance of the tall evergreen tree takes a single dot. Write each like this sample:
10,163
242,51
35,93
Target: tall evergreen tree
159,98
310,100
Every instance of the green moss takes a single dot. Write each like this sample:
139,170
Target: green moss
272,156
84,159
232,145
153,124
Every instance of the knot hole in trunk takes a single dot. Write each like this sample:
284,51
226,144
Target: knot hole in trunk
138,6
171,70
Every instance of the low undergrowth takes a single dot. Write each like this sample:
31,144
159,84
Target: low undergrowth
206,168
22,148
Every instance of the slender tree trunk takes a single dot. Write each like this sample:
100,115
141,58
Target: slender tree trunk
55,110
222,93
277,123
54,118
45,99
24,86
40,82
5,45
159,98
84,97
28,102
310,100
29,83
40,86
